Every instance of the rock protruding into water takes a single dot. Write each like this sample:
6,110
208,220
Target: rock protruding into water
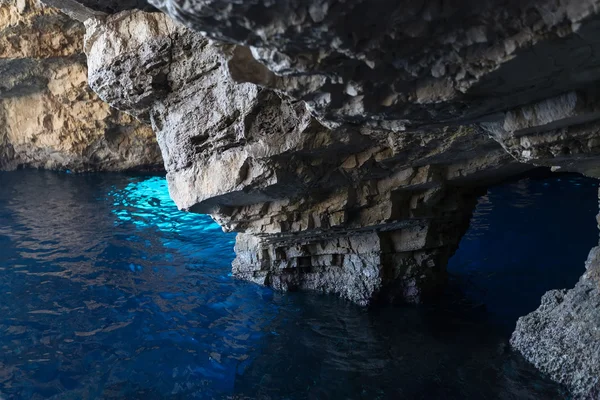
49,117
562,337
352,211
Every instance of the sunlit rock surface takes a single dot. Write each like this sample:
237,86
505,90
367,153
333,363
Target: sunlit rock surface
49,117
346,142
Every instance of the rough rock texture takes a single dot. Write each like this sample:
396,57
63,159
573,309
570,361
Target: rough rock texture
350,211
562,132
49,117
562,337
347,141
408,64
81,10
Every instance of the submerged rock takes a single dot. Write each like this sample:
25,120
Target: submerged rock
49,117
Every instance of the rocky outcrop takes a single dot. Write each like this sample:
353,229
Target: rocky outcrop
562,337
81,10
352,211
49,116
561,132
346,141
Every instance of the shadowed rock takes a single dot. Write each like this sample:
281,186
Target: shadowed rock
407,64
351,211
561,337
84,9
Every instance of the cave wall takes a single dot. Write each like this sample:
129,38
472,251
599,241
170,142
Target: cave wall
347,142
49,117
407,64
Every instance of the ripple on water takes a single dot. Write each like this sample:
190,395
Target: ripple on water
111,292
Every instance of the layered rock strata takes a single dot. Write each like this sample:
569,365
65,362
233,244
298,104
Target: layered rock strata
347,141
352,211
49,117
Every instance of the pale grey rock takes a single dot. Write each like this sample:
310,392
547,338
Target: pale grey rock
84,9
351,211
409,64
346,141
559,132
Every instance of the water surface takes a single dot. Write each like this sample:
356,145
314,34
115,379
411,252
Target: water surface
525,238
110,292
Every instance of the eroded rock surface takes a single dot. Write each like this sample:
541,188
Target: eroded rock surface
81,10
351,211
562,337
49,117
408,64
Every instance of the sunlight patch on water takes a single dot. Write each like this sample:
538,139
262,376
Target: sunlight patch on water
146,203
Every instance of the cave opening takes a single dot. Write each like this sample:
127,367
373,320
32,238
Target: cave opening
155,286
526,237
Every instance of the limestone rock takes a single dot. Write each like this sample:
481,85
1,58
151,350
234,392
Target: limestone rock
81,10
347,141
49,116
351,211
408,64
562,337
559,132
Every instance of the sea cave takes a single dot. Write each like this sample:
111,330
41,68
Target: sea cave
299,199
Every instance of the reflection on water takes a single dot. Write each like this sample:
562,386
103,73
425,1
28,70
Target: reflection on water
110,292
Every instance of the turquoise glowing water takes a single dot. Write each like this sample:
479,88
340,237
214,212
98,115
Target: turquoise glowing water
110,292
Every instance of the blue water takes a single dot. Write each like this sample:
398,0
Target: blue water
525,238
109,292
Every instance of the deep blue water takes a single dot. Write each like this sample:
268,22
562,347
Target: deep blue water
525,238
109,292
